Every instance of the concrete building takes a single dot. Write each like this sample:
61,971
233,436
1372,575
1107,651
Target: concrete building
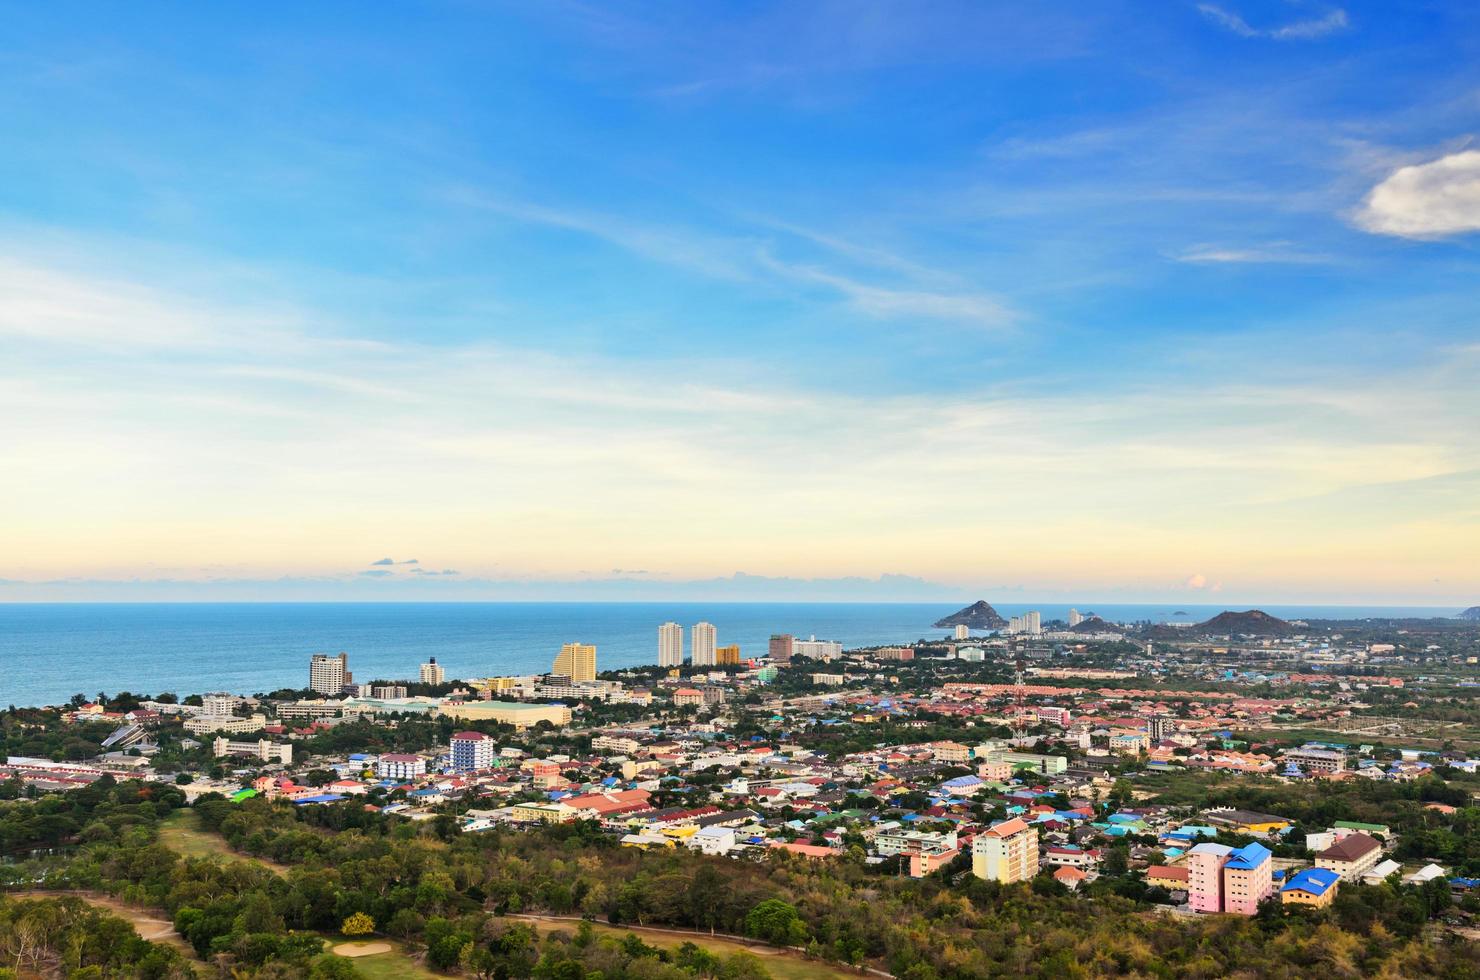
962,632
220,703
576,661
1351,857
432,672
310,710
727,656
400,766
701,650
687,696
387,692
514,713
780,647
1313,886
1248,879
1075,618
1205,876
260,749
329,674
1226,879
472,750
1006,852
1316,758
1161,727
230,724
670,645
817,649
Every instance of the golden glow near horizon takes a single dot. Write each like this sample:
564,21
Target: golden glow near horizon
152,437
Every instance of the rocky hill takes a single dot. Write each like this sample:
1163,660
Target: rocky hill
1471,614
1253,622
978,616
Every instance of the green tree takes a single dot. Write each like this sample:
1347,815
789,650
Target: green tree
776,922
358,924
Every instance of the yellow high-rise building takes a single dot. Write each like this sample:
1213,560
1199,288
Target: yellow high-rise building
727,655
576,661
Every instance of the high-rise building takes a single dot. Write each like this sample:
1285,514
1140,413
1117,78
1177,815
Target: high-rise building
1029,622
576,661
473,750
670,645
1075,618
432,673
1006,852
701,653
780,648
329,674
963,632
727,655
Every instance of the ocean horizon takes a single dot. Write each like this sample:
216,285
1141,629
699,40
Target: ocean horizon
50,651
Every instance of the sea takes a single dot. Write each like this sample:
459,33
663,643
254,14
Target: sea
50,651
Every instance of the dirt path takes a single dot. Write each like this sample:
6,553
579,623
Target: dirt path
147,922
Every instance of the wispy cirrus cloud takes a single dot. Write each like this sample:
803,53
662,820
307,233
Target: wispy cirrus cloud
912,292
1331,22
1268,252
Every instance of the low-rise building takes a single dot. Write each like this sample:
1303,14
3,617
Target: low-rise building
400,766
1313,886
1351,856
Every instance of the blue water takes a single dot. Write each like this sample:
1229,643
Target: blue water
48,652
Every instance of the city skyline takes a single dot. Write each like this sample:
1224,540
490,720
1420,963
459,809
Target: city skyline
844,301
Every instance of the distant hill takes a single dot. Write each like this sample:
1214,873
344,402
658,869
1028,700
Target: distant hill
978,616
1471,614
1090,624
1254,622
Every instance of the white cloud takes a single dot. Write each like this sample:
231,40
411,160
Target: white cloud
1426,200
1197,581
1267,253
916,293
1300,30
172,447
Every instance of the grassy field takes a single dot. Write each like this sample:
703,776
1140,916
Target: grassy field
781,964
384,966
181,832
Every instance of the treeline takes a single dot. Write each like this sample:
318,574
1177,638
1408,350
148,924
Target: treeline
104,811
448,893
66,936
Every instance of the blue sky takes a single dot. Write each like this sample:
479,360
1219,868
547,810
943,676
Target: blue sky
1110,300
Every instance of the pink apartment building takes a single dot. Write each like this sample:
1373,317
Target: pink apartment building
1226,879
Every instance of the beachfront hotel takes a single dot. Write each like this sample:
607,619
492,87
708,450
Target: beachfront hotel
576,661
670,645
329,674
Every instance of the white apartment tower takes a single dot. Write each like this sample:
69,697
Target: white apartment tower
329,674
702,653
963,632
1075,618
670,645
432,673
